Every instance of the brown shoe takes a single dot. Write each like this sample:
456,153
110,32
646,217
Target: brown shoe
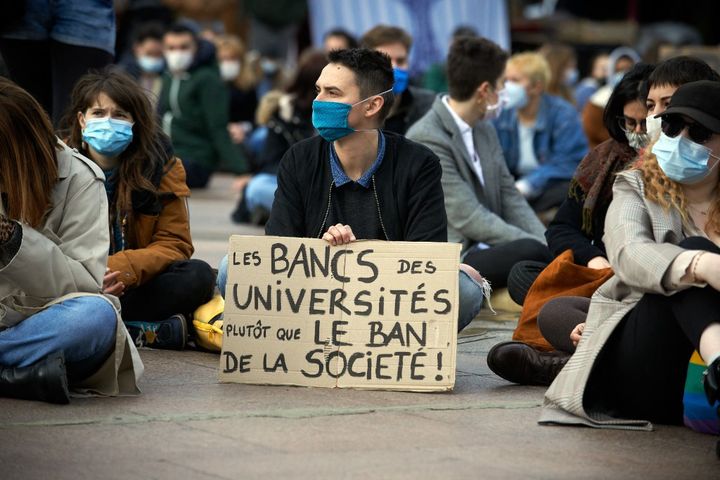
518,362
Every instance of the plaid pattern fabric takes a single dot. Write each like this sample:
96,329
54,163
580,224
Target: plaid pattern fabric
631,227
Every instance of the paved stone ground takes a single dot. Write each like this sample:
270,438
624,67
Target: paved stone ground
186,425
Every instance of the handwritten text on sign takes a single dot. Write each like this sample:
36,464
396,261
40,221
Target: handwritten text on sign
365,315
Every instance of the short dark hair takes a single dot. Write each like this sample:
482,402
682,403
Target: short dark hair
472,61
385,35
632,87
680,70
373,73
341,32
182,28
148,31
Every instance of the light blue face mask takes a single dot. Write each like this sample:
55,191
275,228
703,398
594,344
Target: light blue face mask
108,136
402,77
330,119
150,64
515,94
682,160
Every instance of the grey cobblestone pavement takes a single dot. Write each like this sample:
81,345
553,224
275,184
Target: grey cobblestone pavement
187,425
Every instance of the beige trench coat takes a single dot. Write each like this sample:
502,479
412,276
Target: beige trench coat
641,240
65,258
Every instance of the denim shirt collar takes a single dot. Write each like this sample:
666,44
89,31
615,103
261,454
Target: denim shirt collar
340,178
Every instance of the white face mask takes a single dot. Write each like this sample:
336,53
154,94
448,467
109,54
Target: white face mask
229,69
493,111
179,60
637,140
652,127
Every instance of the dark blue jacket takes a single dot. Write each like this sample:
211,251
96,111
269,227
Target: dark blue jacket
560,143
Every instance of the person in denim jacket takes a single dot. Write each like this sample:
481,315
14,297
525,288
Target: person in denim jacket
540,134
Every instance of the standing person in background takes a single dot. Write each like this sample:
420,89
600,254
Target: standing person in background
410,103
338,39
563,70
56,329
147,62
194,105
241,78
290,122
51,44
149,267
485,212
540,134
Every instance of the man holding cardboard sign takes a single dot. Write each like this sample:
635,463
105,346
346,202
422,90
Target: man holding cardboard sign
355,181
352,182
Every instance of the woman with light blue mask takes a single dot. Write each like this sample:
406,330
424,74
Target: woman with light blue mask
149,268
662,234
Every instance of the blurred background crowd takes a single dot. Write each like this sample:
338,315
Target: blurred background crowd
233,80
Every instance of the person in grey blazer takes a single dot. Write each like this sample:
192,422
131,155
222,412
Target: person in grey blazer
662,233
486,213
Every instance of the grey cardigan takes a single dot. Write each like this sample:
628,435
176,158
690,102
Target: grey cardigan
641,238
494,213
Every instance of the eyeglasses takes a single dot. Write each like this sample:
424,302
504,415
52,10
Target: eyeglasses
672,125
628,124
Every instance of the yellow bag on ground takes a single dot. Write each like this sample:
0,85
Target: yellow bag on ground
208,324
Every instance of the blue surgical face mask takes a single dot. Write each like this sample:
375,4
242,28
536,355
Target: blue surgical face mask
330,119
571,77
515,94
615,79
108,136
402,76
150,64
682,160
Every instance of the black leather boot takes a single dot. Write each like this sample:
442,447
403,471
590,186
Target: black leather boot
712,390
45,380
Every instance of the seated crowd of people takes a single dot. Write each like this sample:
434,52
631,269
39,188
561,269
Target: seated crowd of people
617,292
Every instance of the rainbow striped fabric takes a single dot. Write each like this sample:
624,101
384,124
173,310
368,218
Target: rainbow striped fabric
698,414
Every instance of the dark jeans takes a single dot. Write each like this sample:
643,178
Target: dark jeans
494,263
48,69
196,175
640,372
181,288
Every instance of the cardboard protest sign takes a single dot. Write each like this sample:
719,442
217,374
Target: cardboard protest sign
371,314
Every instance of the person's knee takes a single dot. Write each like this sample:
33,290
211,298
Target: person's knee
531,249
94,318
699,243
222,275
470,299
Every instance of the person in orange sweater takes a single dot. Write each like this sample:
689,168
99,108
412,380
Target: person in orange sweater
111,121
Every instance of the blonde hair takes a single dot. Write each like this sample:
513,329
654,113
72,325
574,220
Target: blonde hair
669,194
249,76
532,65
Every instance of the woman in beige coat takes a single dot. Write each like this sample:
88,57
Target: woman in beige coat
662,233
56,329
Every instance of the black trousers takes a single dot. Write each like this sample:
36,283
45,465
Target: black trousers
521,277
48,69
181,288
494,263
640,372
